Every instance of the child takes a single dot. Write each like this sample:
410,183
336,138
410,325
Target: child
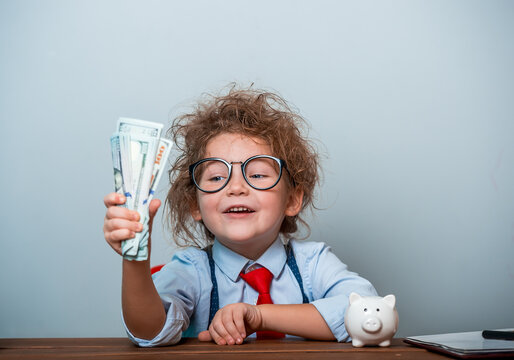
244,176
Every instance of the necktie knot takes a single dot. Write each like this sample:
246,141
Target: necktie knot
259,279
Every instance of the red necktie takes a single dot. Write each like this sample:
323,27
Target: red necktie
260,280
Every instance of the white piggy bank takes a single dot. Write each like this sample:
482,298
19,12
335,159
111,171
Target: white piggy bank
371,320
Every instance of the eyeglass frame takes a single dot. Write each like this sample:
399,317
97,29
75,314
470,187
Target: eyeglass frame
282,164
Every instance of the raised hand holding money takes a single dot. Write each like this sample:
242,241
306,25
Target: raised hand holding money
139,156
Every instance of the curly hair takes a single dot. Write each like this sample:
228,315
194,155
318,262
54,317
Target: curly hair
249,112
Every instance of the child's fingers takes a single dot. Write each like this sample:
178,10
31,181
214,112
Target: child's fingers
114,238
123,213
240,325
233,335
117,236
113,199
116,246
220,334
117,224
213,331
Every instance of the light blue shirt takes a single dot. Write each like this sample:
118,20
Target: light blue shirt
184,285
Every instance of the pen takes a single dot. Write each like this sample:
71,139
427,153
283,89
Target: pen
498,334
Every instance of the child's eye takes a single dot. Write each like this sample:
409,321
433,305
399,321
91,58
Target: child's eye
258,176
216,178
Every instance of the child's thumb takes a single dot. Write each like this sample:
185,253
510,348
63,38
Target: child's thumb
204,336
153,207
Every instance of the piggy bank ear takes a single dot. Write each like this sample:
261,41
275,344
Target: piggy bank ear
354,297
390,300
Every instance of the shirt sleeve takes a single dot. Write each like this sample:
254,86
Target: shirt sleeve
331,283
179,287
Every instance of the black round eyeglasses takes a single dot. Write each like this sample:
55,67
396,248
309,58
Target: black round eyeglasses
261,172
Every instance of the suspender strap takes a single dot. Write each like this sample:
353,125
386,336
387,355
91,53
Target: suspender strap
215,301
291,262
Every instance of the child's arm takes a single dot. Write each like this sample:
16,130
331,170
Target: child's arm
143,311
234,322
296,319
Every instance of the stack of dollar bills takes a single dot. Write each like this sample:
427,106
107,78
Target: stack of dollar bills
139,156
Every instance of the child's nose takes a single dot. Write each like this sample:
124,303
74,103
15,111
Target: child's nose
237,184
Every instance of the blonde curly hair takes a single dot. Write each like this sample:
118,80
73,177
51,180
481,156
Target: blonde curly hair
249,112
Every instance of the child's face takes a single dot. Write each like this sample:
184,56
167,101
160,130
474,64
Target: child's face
245,232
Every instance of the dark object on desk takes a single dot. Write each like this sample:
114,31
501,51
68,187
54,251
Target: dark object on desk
465,345
498,334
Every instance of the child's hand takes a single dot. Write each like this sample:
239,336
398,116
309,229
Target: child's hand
232,324
121,223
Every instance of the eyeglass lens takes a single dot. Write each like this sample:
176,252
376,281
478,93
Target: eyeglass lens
261,173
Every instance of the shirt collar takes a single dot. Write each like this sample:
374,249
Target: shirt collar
231,263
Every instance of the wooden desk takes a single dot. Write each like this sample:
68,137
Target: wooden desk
122,348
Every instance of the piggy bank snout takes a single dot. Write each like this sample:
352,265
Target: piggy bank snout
372,324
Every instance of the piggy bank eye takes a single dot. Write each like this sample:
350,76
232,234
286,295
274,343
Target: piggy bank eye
365,309
378,309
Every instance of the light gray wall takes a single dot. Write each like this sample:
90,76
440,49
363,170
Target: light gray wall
412,99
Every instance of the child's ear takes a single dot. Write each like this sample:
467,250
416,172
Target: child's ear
195,211
294,202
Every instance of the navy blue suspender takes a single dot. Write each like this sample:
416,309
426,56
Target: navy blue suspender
215,303
291,262
215,300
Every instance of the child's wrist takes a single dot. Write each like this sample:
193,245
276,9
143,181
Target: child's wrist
137,266
264,314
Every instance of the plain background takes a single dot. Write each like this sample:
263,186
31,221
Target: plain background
413,101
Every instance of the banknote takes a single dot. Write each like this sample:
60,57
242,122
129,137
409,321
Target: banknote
161,159
132,130
126,168
141,127
139,156
116,164
142,151
158,168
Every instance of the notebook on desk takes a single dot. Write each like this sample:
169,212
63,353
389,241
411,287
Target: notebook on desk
465,345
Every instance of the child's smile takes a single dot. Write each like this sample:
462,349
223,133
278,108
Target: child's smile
238,211
242,218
